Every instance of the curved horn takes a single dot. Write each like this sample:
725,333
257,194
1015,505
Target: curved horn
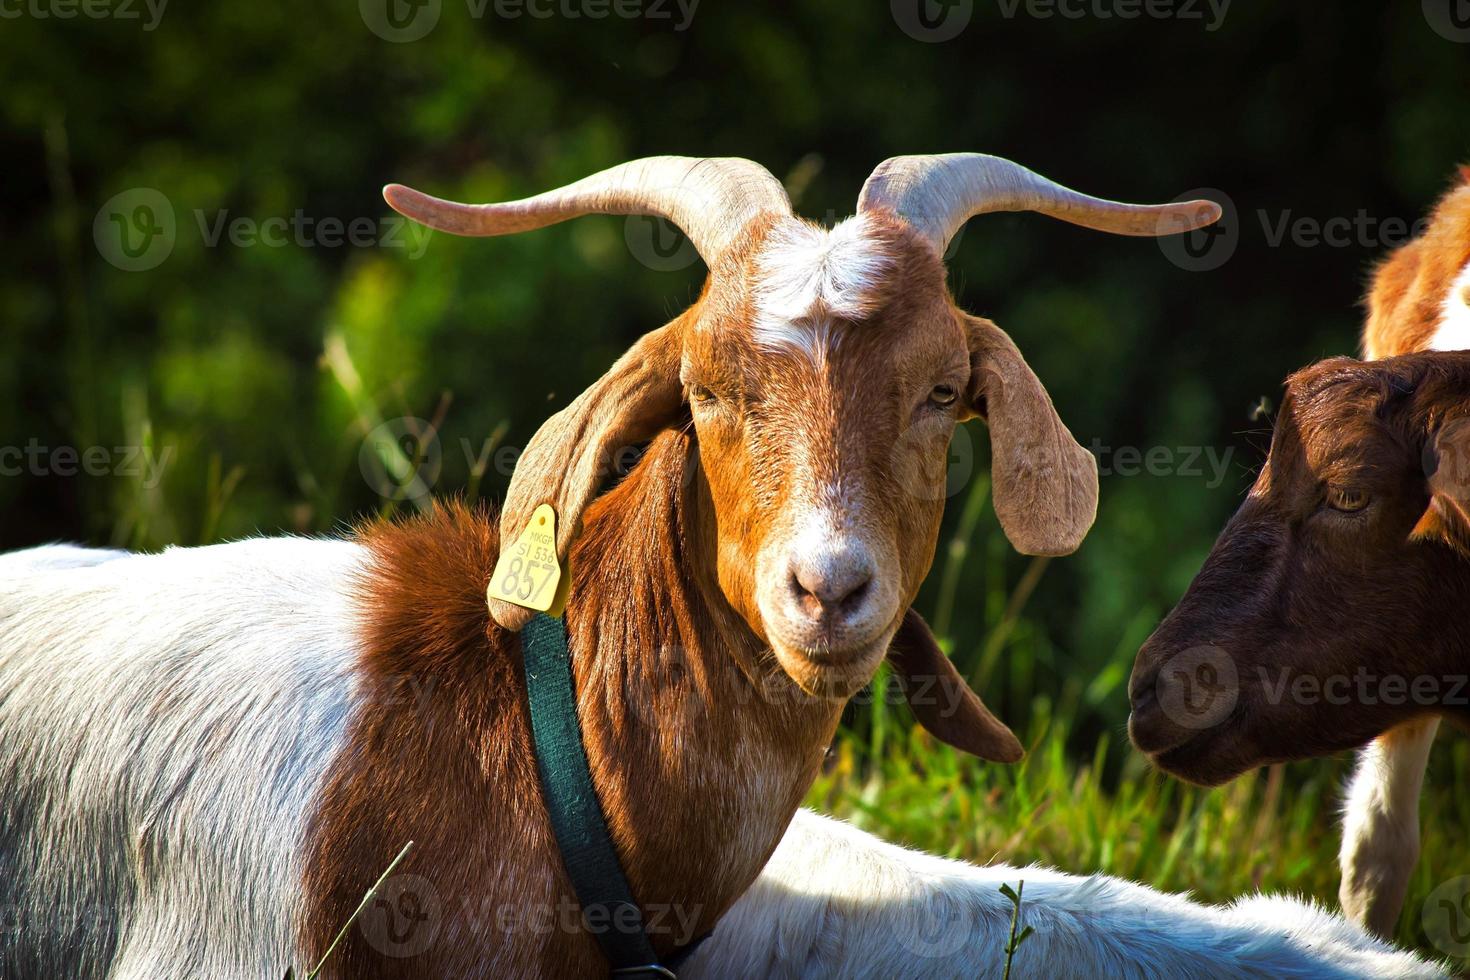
710,199
937,194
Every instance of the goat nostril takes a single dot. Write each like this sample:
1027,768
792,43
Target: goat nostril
854,598
821,594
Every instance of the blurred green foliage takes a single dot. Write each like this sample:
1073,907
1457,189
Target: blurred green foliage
257,370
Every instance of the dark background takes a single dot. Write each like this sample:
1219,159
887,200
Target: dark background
215,354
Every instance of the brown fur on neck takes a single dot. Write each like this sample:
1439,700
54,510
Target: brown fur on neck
700,748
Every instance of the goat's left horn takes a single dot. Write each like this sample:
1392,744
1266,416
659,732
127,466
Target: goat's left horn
937,194
711,200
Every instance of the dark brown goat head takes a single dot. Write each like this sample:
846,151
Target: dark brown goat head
1335,604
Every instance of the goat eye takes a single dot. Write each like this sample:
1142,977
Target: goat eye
1346,501
700,393
943,396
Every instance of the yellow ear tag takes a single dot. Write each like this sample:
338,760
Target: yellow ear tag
528,573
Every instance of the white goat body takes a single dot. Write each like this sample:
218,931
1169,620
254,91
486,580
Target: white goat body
837,902
157,775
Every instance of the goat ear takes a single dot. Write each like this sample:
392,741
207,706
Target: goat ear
1447,518
941,700
568,458
1044,483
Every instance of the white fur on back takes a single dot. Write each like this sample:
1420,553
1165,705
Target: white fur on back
836,902
808,278
165,725
1454,323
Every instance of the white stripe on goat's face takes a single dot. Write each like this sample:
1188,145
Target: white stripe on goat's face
809,279
1454,323
811,397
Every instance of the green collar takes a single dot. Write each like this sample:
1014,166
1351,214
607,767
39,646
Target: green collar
576,815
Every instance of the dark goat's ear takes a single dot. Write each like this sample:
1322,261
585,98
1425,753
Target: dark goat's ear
568,458
942,701
1448,517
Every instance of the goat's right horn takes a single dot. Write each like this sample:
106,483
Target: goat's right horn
710,199
937,194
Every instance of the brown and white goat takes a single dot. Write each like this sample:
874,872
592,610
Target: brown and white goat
1420,301
206,756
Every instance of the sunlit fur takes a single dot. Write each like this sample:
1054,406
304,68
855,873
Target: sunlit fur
836,902
159,770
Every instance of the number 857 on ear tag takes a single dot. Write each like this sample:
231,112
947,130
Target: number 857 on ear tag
528,573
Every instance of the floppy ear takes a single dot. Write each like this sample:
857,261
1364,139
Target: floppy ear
1448,517
1044,483
567,459
941,700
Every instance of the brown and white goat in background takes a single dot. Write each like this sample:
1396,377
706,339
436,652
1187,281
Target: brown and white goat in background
207,755
1420,301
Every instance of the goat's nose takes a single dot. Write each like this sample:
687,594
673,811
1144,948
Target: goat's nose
832,585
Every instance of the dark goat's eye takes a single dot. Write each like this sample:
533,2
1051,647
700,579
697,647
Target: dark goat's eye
943,396
700,393
1346,501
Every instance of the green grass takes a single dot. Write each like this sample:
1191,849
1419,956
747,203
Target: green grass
1087,804
1275,831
